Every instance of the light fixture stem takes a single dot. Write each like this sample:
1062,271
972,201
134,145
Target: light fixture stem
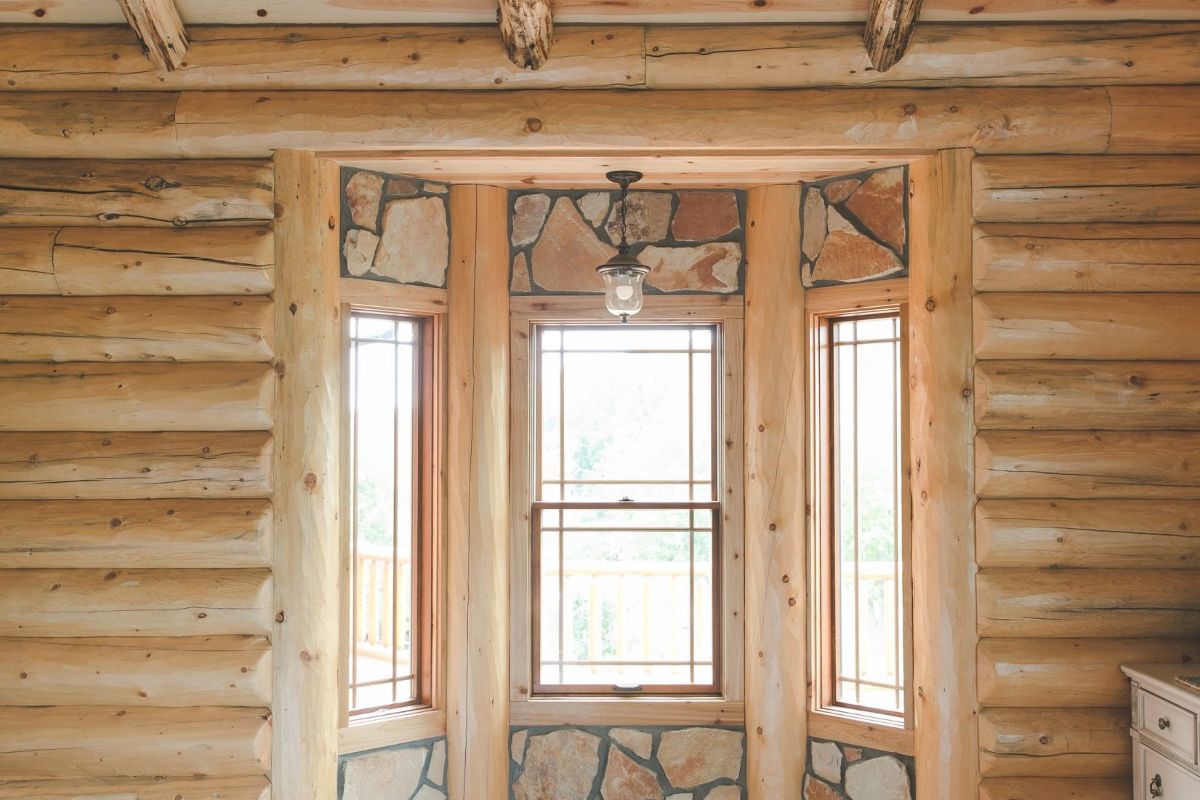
624,204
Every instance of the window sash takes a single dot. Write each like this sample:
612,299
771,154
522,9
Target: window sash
826,466
423,510
710,503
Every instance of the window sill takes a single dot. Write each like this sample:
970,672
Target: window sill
627,711
409,726
875,731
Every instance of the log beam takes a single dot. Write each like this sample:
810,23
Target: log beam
527,29
890,26
158,25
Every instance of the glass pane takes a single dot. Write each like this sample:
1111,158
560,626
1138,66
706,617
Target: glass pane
637,597
384,409
868,601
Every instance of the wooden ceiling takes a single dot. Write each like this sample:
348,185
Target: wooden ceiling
351,12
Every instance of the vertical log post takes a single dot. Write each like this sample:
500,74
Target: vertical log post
941,381
776,648
477,508
305,478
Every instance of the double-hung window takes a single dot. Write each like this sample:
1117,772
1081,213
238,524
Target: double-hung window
625,514
859,499
388,514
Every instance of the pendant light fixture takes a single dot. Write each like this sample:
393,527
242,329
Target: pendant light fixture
623,273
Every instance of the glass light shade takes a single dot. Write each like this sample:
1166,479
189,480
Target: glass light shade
623,290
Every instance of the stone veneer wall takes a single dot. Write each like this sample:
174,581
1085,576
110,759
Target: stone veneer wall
855,227
628,763
395,228
844,772
692,239
413,771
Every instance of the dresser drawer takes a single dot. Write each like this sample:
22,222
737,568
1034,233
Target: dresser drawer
1161,779
1168,723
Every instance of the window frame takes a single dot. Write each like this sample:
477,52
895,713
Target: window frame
822,306
424,716
723,700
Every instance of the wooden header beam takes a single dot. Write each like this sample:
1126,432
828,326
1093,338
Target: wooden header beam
158,24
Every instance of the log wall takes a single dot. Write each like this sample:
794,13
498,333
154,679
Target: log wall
1087,402
136,526
137,331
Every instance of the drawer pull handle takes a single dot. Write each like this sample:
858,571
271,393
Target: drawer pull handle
1163,723
1156,786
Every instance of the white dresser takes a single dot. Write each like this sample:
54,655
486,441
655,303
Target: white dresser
1166,733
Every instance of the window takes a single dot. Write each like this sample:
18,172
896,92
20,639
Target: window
389,514
860,500
625,514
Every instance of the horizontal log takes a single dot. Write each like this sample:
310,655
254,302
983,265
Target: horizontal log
782,57
1087,258
136,329
1150,119
1089,603
1065,395
1068,673
249,787
27,260
1057,788
135,602
174,193
1156,534
266,57
1053,743
1091,465
226,12
136,397
146,534
1149,327
1087,189
180,671
65,742
91,466
132,261
251,124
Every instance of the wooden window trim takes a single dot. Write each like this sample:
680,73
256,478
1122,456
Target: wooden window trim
727,312
822,305
425,717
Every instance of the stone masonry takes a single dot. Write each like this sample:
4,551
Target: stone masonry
854,228
414,771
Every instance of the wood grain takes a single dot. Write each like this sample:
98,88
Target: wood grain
1086,189
136,397
1087,465
158,26
136,329
1088,603
176,672
1069,673
941,486
1065,395
66,742
134,602
1098,534
27,260
324,57
174,193
127,261
247,787
775,524
1146,327
306,472
89,466
1153,120
1055,743
1058,788
1143,257
792,56
135,533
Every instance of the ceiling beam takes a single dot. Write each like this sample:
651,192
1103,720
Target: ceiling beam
527,28
160,29
890,26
